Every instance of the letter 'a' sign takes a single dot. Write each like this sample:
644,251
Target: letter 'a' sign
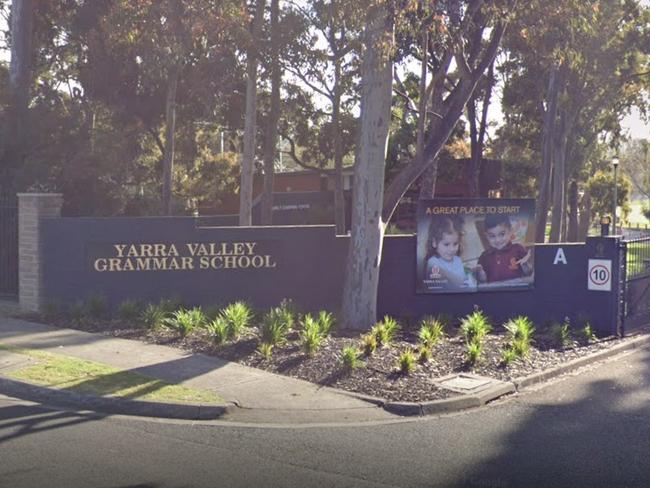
599,276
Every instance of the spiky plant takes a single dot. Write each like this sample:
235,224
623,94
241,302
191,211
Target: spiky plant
368,344
385,330
128,310
218,330
561,334
95,306
265,349
508,355
587,333
275,325
153,316
311,337
475,326
424,354
326,322
185,321
350,358
431,331
520,332
406,362
474,352
238,316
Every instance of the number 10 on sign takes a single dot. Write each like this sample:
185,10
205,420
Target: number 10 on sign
599,276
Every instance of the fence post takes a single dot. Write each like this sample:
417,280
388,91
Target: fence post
32,207
603,278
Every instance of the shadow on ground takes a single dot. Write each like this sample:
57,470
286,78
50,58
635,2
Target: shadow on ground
596,434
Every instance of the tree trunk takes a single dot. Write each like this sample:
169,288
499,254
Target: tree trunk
558,216
477,134
585,218
339,197
541,211
170,129
359,303
250,122
572,230
428,178
20,80
271,139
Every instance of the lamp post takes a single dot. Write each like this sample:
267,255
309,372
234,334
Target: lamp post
615,164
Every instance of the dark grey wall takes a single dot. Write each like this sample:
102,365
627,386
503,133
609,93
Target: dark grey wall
309,269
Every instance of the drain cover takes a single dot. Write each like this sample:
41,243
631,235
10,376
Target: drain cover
465,383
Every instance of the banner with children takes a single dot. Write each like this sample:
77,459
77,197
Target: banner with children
480,244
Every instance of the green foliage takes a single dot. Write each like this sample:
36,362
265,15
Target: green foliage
265,349
275,325
128,310
424,353
587,333
153,316
601,190
508,356
326,322
475,326
311,336
369,343
350,358
520,328
474,352
77,312
406,362
561,334
520,334
218,330
95,306
238,316
385,330
185,321
431,331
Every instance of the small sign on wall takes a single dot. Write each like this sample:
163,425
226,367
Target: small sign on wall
599,275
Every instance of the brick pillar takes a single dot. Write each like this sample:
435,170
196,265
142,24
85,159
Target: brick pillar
32,207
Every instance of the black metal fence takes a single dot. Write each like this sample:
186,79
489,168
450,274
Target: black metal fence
8,246
635,283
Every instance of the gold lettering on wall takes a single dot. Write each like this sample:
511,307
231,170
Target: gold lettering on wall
159,256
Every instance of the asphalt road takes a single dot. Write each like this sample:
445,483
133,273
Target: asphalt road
589,429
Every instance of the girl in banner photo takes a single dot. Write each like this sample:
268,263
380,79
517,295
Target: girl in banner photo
444,268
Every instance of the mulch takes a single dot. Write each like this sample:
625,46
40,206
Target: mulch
378,374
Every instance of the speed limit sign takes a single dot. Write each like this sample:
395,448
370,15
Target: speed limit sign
599,275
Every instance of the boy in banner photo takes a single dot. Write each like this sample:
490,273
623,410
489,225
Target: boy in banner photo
503,259
469,245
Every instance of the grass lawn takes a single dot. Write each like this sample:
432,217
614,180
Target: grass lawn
79,375
636,217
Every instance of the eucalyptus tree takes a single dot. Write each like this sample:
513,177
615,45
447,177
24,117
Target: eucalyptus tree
574,75
250,117
372,207
324,61
152,45
20,82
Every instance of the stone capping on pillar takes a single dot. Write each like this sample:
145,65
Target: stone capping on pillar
32,207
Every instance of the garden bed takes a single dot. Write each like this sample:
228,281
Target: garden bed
377,374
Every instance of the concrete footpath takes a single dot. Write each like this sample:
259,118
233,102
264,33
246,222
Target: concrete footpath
251,395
